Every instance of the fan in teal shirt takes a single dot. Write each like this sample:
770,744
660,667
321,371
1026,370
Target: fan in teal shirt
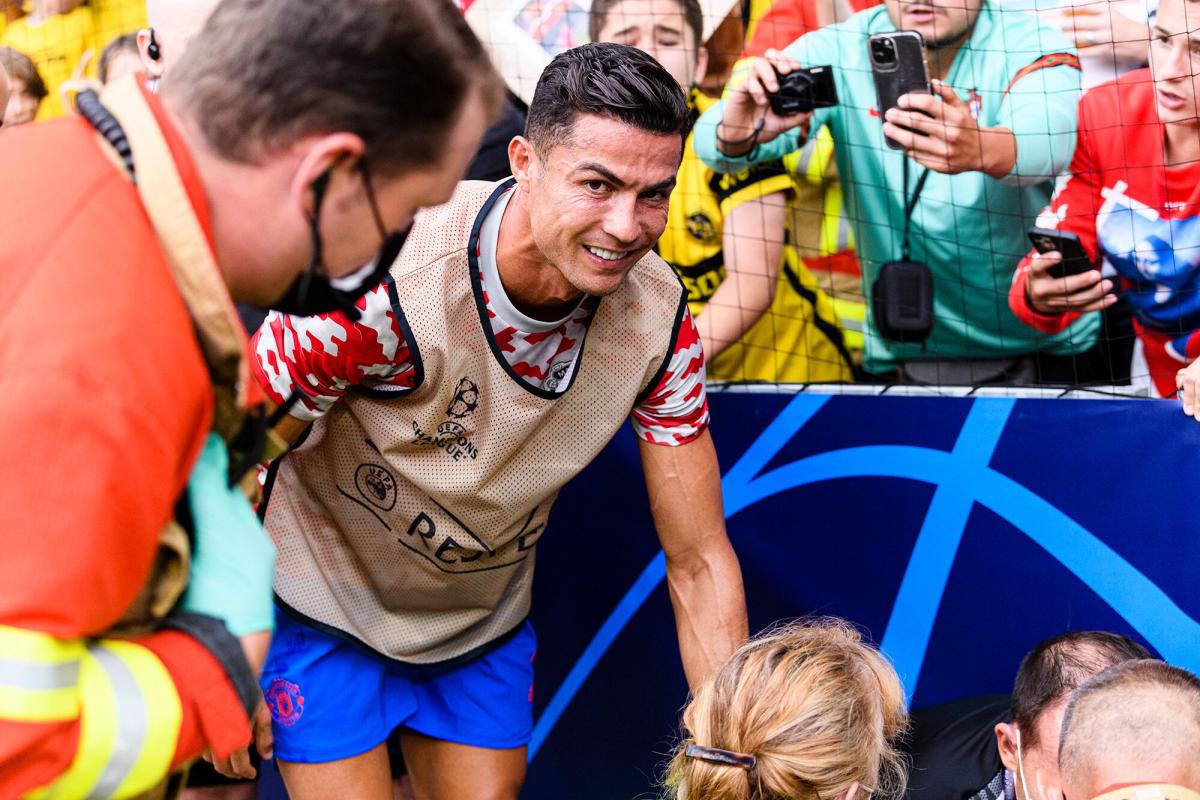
1013,71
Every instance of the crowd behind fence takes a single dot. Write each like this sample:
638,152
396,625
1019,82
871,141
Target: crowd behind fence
786,251
932,193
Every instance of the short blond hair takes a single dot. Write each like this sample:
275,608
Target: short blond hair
1139,719
817,707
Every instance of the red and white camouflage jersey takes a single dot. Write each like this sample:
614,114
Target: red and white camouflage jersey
325,356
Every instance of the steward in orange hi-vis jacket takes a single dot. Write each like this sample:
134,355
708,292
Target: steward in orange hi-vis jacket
107,384
124,371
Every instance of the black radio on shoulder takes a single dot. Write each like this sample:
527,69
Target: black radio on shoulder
902,301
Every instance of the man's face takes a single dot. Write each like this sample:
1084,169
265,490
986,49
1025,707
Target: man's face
940,22
659,29
1175,61
1043,756
351,236
1038,753
22,106
598,201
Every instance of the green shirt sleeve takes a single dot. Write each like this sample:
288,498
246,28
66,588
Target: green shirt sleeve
1041,109
814,49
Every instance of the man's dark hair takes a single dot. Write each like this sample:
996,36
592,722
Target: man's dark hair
20,67
263,74
121,44
1052,670
692,15
610,80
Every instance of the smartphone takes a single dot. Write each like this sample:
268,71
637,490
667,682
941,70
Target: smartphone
898,66
1074,258
803,90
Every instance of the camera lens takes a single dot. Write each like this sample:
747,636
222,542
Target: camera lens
883,52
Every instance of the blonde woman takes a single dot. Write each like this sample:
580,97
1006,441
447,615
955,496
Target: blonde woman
807,711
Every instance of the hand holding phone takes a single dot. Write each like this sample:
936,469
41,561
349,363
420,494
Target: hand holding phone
899,68
1074,258
1061,278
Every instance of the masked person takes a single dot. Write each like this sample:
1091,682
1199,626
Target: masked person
977,156
998,747
257,179
1133,731
409,516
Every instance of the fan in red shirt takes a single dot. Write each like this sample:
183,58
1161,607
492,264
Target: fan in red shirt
1133,198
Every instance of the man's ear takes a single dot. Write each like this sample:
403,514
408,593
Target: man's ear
701,65
1054,790
1006,743
521,158
853,793
318,155
152,65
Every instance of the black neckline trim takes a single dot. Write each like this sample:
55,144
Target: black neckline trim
481,306
666,362
414,352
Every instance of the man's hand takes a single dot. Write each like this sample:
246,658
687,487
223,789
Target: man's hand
937,131
238,765
1087,291
1187,384
747,106
1103,25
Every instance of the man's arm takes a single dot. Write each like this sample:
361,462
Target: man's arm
1033,142
1042,110
321,358
753,240
703,576
724,136
97,494
1051,304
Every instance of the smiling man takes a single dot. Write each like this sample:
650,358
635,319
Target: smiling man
524,322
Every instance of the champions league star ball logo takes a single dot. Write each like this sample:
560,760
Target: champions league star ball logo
466,399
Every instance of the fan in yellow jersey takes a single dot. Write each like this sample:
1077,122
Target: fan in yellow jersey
761,315
63,35
55,34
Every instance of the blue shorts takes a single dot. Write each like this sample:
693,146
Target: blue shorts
332,699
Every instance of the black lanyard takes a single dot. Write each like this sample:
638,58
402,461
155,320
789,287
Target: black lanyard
910,205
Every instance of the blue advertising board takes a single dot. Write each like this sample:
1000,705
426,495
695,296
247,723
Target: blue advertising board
957,532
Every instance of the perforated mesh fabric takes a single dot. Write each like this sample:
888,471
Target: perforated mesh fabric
411,522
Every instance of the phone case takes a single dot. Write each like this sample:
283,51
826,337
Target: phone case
1074,258
910,73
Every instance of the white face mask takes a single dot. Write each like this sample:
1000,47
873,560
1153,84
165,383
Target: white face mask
1029,792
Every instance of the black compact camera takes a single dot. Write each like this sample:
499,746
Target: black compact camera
803,90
